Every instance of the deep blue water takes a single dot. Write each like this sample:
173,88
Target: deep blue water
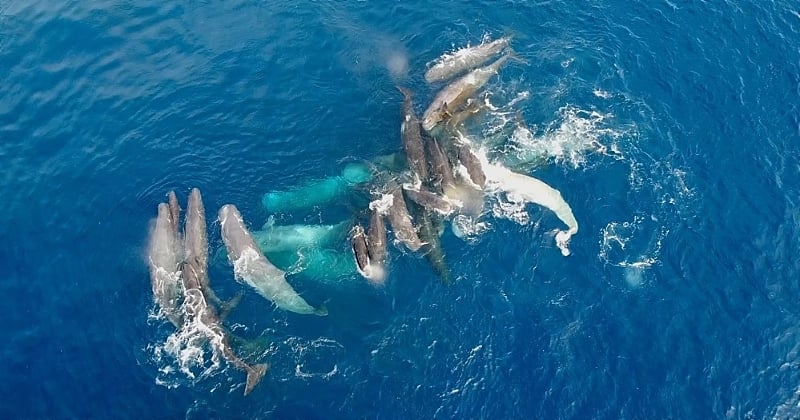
680,298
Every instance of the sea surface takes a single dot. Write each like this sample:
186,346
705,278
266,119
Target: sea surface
672,129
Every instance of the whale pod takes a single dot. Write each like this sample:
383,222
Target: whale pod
251,267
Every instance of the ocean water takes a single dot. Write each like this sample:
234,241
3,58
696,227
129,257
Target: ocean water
671,128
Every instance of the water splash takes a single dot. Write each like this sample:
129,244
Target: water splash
313,359
186,355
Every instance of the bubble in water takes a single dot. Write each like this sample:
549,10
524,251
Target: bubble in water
634,275
397,64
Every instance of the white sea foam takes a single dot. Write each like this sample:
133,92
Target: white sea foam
313,359
383,204
189,353
632,245
469,228
568,139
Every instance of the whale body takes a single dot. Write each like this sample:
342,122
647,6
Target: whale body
454,95
195,238
400,221
467,58
197,290
411,136
359,243
318,192
429,200
252,267
164,259
287,238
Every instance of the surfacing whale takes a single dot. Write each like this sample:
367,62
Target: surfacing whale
454,95
164,259
450,65
252,267
195,238
411,136
400,220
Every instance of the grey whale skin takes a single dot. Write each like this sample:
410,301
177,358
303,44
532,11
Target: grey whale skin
251,267
164,261
197,289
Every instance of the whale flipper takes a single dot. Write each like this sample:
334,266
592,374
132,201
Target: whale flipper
254,375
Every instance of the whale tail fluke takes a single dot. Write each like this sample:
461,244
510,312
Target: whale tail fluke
254,375
227,307
513,56
322,310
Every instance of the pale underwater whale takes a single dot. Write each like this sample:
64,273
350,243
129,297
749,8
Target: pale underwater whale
283,238
311,251
318,264
164,259
252,267
318,192
194,274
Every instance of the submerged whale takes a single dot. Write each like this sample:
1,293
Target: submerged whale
197,290
288,238
430,228
319,192
164,259
467,58
252,267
